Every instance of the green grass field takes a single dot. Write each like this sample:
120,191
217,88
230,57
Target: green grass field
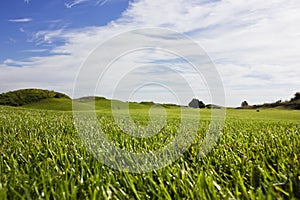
42,157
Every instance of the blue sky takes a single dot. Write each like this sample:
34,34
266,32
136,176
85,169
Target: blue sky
20,20
253,44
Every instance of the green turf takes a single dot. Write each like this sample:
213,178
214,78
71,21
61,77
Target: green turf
263,114
42,157
52,104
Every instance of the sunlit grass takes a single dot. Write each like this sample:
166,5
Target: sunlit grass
256,157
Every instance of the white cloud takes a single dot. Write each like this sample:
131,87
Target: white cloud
20,20
254,44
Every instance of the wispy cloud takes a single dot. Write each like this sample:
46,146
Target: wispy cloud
26,1
76,2
11,40
101,2
35,50
20,20
14,63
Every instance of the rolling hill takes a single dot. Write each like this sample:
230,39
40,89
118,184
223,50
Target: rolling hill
29,96
51,100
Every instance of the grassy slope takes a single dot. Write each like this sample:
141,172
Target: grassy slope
62,104
28,96
137,109
101,105
104,106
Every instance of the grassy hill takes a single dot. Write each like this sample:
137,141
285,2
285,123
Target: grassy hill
51,100
29,96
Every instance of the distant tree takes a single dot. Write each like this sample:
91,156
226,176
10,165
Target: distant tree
244,104
297,97
195,103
